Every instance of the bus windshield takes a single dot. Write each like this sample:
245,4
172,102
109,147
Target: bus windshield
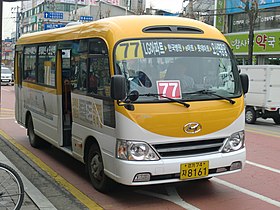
187,69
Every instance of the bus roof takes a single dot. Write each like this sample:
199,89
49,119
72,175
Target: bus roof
117,28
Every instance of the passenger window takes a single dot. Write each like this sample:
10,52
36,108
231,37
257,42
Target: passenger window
99,72
46,65
30,64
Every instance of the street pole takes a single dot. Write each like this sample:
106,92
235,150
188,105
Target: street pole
17,24
76,8
1,17
191,13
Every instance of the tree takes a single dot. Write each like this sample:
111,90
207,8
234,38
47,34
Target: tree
251,7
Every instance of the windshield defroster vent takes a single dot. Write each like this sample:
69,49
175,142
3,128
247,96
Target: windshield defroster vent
172,29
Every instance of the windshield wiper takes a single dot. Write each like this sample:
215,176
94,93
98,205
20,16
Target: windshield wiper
210,92
170,99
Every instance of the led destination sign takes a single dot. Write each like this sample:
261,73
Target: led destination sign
169,48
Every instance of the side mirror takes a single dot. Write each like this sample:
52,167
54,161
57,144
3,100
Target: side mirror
245,82
118,87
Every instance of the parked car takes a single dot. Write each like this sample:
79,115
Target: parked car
6,76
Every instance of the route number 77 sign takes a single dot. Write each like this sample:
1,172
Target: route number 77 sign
169,88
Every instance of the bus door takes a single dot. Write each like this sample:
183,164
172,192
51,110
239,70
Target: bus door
18,85
66,97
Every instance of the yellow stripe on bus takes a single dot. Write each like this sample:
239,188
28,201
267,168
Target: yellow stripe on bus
41,88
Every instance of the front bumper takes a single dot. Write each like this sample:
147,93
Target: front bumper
6,81
168,170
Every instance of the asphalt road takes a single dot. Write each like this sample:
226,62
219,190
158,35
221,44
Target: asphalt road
256,187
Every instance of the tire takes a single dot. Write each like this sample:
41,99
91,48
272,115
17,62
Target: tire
277,120
34,140
95,169
250,115
11,188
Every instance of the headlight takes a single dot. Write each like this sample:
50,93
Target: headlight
135,150
234,142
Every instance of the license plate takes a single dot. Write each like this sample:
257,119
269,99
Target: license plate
194,170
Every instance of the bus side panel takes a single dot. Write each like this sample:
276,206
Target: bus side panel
87,113
19,105
45,112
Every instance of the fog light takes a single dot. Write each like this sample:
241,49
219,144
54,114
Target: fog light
220,170
143,177
235,166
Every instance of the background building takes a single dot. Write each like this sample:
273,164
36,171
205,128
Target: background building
7,52
38,15
230,18
266,35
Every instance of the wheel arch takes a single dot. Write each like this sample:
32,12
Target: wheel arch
90,140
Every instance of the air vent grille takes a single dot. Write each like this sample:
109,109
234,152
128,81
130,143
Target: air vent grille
172,29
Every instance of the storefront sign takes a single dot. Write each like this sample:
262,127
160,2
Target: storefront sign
264,42
235,6
32,19
265,20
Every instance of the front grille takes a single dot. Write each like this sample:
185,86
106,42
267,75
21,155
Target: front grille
189,148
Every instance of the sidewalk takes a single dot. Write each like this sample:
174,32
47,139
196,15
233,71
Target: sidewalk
41,190
33,198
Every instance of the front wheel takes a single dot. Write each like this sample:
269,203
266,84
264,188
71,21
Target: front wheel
250,115
95,170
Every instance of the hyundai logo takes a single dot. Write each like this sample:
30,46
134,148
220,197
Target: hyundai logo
192,127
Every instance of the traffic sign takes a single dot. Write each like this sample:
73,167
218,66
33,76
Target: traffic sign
53,15
86,18
53,26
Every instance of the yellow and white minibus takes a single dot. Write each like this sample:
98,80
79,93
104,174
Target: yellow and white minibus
138,99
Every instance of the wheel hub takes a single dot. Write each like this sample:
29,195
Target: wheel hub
96,167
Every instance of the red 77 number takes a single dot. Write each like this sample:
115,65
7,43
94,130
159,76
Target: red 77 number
169,88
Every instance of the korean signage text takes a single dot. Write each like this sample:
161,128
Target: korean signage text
264,42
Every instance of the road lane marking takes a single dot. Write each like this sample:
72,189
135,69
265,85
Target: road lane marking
248,192
84,199
268,133
7,118
7,114
172,196
7,90
263,166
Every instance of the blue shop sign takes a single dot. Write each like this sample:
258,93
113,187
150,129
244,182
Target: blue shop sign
235,6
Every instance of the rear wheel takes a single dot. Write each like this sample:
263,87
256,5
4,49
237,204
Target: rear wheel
95,170
34,140
277,120
250,115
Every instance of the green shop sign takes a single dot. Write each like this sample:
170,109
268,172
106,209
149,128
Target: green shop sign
264,42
